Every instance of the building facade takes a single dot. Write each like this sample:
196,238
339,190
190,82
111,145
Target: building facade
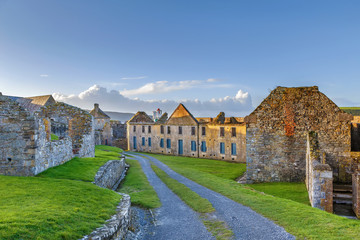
184,135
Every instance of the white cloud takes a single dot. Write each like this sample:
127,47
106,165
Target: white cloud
213,80
44,75
166,86
238,105
133,78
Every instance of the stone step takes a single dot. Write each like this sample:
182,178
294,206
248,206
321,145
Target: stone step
342,188
342,195
339,200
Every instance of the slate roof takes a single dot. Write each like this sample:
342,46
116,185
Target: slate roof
162,119
182,116
42,100
141,117
98,113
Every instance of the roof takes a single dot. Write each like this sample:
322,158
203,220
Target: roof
98,113
162,119
141,117
42,100
182,116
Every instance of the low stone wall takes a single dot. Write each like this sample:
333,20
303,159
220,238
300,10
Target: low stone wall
319,176
111,174
117,226
356,193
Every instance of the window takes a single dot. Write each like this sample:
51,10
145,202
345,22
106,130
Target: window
134,129
222,131
222,148
134,142
203,146
233,149
143,141
162,129
193,146
149,129
168,143
169,130
162,143
193,131
149,141
143,129
233,132
203,132
180,130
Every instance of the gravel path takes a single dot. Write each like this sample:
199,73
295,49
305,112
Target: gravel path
244,222
174,219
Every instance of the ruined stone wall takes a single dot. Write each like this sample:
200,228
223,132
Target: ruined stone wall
17,139
80,126
110,174
355,134
319,177
276,135
50,153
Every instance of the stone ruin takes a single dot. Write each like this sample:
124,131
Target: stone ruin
299,134
26,129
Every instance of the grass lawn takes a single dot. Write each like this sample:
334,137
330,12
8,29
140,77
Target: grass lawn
297,218
293,191
138,187
227,170
53,207
352,110
83,168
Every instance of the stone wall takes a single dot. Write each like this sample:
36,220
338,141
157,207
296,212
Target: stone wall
110,174
276,135
17,139
319,177
355,134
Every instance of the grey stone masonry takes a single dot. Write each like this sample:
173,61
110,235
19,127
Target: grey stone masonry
111,174
116,227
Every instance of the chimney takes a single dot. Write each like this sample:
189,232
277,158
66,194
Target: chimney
96,106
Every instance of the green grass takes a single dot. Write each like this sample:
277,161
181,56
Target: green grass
54,137
82,168
197,203
293,191
191,198
352,110
227,170
138,187
52,205
109,148
299,219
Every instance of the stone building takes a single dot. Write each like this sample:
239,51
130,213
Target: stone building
184,135
119,134
103,129
26,129
299,134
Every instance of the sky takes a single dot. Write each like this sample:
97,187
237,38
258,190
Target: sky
211,55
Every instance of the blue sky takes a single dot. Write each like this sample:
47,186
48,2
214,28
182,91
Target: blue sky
152,51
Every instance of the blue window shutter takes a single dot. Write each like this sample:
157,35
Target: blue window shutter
149,140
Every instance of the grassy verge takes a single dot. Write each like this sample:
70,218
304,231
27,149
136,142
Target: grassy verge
196,202
53,206
83,168
138,187
227,170
352,110
299,219
191,198
294,191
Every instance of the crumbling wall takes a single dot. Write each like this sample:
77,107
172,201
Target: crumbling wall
319,178
17,139
80,126
355,134
50,153
276,135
